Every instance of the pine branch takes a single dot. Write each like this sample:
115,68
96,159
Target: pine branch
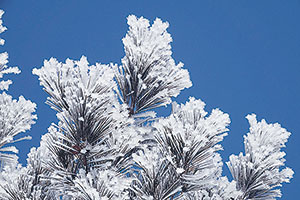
148,76
259,172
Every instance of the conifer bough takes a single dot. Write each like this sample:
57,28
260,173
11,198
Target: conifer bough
109,144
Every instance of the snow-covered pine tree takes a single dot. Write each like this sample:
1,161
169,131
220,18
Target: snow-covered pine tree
109,144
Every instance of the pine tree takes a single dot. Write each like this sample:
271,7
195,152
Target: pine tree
109,143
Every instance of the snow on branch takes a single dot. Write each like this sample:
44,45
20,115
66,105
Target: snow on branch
83,97
104,184
148,76
260,171
16,116
81,94
94,132
185,157
2,28
155,177
105,147
30,182
191,139
4,69
221,189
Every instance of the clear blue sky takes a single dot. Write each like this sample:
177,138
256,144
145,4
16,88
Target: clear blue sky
243,56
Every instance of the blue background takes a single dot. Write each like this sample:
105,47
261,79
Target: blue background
243,56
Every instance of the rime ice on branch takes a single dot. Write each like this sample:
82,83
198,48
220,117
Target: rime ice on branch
16,116
4,60
105,147
185,158
148,76
93,135
101,149
259,172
